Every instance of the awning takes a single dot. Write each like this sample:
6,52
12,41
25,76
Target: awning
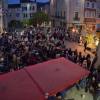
56,75
18,86
32,83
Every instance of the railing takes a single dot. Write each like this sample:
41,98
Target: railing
59,17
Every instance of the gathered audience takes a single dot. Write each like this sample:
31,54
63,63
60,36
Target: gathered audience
33,46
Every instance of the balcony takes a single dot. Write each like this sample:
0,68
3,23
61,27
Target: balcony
93,20
76,19
59,17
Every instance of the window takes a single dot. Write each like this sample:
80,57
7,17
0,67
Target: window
92,5
31,15
64,13
76,17
18,9
24,15
56,13
89,14
88,4
99,16
61,13
94,14
24,8
33,8
10,15
30,8
17,14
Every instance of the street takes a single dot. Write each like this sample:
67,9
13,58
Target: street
75,94
79,48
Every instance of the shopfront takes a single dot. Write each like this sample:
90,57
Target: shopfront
90,33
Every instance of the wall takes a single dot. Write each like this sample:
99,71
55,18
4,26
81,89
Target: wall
3,15
69,7
14,14
31,9
23,12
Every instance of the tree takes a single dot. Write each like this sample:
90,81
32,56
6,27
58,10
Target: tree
39,18
25,22
14,24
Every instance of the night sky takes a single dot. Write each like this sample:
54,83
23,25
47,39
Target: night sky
17,1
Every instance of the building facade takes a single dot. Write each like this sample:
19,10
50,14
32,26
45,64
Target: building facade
44,7
14,12
90,15
3,15
98,17
58,12
22,11
74,13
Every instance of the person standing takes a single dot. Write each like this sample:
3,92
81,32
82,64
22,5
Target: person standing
85,46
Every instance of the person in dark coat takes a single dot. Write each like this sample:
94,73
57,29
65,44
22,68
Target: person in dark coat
85,46
88,64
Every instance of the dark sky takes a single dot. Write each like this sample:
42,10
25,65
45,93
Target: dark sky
17,1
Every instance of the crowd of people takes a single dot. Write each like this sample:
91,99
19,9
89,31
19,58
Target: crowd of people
29,47
33,46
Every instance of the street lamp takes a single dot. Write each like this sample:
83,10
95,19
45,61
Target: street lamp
97,42
73,30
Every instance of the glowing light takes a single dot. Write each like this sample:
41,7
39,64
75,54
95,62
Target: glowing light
83,96
28,6
97,42
77,31
73,30
99,85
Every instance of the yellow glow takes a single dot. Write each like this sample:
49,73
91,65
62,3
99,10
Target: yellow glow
97,42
